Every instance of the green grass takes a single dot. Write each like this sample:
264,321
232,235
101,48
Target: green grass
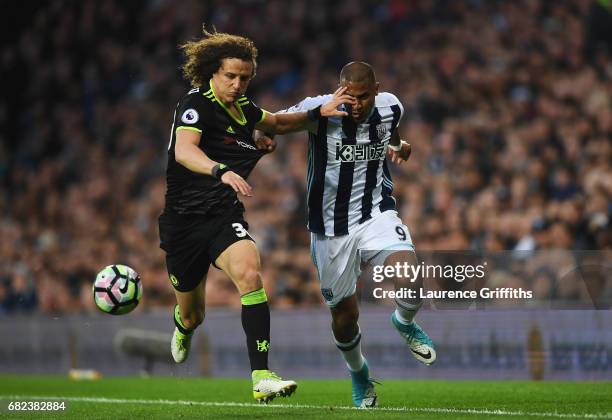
131,397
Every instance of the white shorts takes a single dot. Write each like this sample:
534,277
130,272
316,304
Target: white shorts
339,259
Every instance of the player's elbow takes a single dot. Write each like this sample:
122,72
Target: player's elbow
180,154
179,159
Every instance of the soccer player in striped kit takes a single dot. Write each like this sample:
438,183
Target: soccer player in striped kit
351,213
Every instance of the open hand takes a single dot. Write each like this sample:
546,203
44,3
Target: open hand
330,109
402,155
237,183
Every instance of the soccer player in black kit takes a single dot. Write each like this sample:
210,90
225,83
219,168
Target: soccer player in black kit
210,155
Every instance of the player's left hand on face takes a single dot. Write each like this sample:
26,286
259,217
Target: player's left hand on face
265,143
401,155
330,109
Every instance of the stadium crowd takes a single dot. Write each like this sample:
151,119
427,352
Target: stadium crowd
508,109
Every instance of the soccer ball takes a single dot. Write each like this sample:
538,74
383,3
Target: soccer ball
117,289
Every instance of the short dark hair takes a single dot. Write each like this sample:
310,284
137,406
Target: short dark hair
357,71
204,57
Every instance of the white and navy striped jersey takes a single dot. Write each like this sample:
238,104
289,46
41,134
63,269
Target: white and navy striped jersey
348,178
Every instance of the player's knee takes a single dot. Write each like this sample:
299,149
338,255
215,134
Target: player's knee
193,319
248,276
347,319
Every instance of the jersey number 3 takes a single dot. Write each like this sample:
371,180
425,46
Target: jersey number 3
240,230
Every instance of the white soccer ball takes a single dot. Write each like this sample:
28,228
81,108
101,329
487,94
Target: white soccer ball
117,289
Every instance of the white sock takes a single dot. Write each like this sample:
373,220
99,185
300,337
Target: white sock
405,316
405,311
351,352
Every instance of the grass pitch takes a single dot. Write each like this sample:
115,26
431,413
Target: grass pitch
168,397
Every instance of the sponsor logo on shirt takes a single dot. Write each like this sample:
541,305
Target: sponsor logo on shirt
359,152
231,140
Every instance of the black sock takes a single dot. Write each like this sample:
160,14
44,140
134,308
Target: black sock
256,324
179,322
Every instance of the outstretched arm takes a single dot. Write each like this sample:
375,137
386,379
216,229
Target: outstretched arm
281,123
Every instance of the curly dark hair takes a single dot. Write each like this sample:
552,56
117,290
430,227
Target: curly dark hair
204,56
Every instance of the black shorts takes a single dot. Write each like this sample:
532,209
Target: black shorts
192,243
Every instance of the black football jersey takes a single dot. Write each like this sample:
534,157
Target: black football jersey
225,139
